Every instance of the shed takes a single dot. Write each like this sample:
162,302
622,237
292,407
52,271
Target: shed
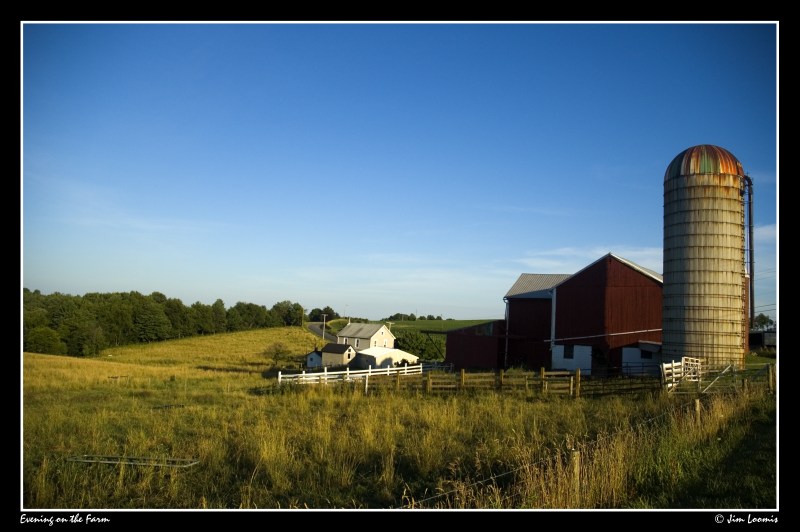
337,354
314,359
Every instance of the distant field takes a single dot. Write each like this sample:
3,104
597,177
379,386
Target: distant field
419,325
436,325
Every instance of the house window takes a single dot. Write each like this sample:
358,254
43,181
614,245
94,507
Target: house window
349,355
569,351
356,342
374,343
384,343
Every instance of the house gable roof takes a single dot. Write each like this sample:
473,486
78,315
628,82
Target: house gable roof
339,349
535,285
362,330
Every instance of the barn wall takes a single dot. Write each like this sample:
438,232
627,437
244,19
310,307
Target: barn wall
580,305
633,303
529,333
581,358
609,297
529,354
529,317
637,362
479,347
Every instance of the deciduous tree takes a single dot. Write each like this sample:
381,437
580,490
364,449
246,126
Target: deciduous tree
44,340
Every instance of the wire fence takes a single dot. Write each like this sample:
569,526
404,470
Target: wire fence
569,459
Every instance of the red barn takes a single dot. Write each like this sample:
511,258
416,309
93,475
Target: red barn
599,319
608,309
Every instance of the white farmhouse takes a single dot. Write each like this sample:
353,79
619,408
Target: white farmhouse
365,335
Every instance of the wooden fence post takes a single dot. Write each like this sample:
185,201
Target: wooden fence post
577,382
575,458
500,379
279,378
771,378
397,383
428,383
697,411
463,380
541,376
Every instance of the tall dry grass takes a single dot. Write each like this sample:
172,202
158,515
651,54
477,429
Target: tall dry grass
258,446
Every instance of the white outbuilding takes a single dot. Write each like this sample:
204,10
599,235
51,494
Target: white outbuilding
383,357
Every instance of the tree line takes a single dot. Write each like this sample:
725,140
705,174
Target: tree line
63,324
412,317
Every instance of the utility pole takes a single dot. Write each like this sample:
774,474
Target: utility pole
323,329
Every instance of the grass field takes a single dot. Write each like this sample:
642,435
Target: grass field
199,424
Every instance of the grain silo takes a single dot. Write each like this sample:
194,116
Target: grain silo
705,295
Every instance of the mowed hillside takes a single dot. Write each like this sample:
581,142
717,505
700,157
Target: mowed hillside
246,348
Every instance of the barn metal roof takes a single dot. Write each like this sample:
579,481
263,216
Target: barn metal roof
650,273
641,269
361,330
535,285
539,285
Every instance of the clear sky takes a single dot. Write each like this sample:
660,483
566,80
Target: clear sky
375,168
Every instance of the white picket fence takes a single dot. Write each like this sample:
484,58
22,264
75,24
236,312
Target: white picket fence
325,376
674,373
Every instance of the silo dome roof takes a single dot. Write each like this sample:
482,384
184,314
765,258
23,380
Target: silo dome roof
703,159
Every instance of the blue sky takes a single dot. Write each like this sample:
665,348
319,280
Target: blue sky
375,168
